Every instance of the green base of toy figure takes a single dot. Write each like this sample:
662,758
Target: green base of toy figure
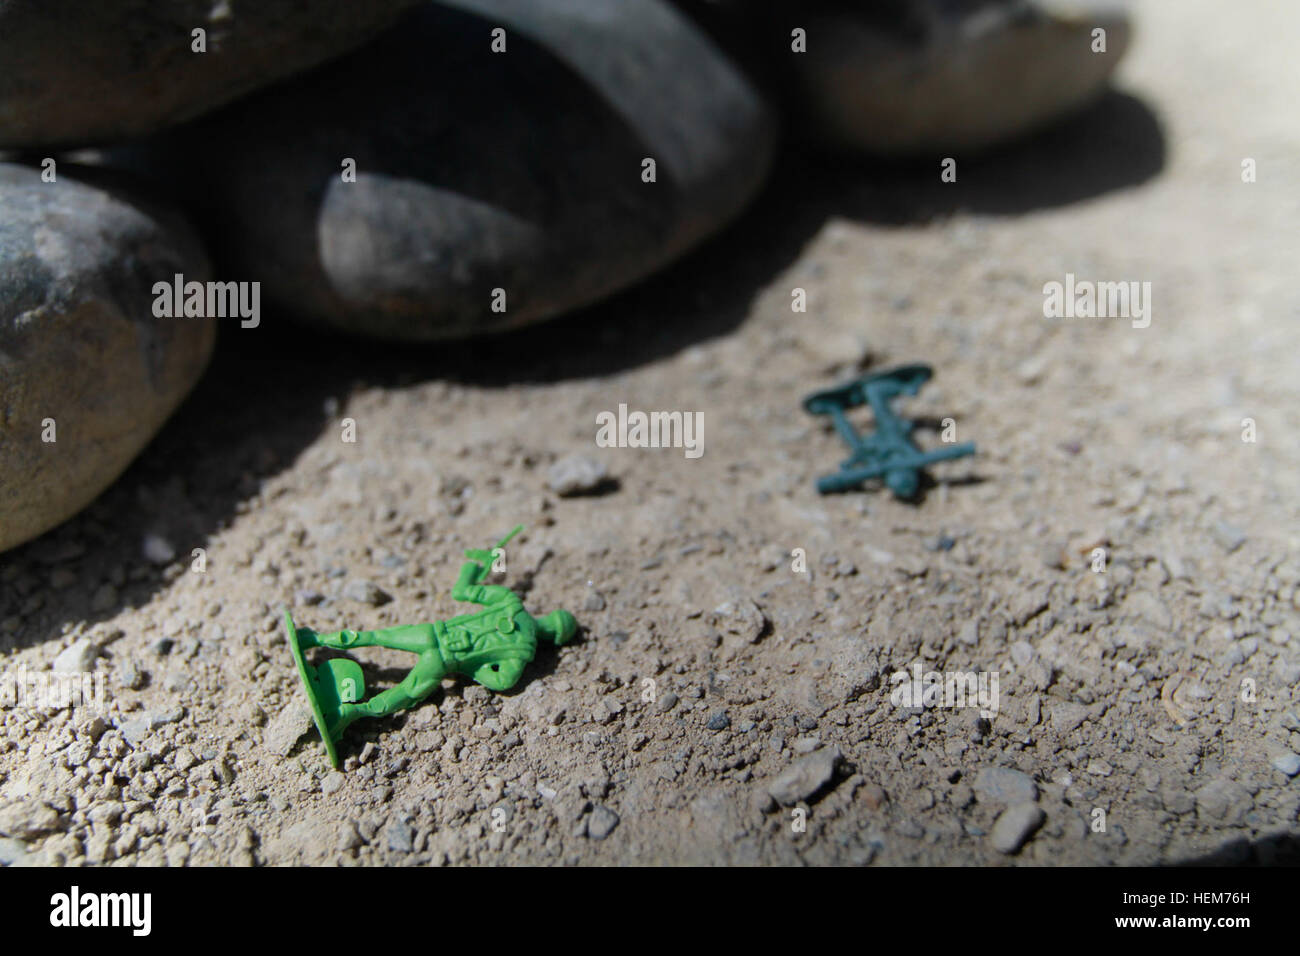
328,687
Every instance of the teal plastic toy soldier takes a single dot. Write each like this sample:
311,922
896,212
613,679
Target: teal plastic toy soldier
492,646
888,454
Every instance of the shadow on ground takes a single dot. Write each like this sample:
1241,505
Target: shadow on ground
264,398
1276,849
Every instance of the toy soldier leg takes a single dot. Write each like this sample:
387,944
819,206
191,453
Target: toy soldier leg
415,687
414,638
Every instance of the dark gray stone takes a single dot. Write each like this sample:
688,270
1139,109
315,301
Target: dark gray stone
1004,785
79,342
601,823
82,72
400,836
477,171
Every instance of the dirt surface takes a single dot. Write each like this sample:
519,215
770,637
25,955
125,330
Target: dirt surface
1156,698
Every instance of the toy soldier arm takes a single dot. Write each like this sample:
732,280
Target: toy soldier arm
467,586
476,569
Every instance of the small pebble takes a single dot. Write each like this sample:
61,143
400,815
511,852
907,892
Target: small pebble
1287,763
601,823
576,475
104,598
805,777
12,852
129,674
400,837
366,592
1015,826
349,836
293,721
157,549
1004,785
1228,536
79,658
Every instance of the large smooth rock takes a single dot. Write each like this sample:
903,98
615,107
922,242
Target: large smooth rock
79,343
478,170
948,75
82,72
898,77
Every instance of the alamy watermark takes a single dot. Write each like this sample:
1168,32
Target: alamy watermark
1082,299
948,689
133,911
52,690
209,300
638,429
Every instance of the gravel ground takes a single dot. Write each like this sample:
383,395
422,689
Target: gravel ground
721,706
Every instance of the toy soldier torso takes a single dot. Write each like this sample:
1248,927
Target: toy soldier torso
502,630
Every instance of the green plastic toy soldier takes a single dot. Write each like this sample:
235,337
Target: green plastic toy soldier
492,646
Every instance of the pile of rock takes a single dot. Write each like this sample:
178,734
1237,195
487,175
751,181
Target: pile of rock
417,171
